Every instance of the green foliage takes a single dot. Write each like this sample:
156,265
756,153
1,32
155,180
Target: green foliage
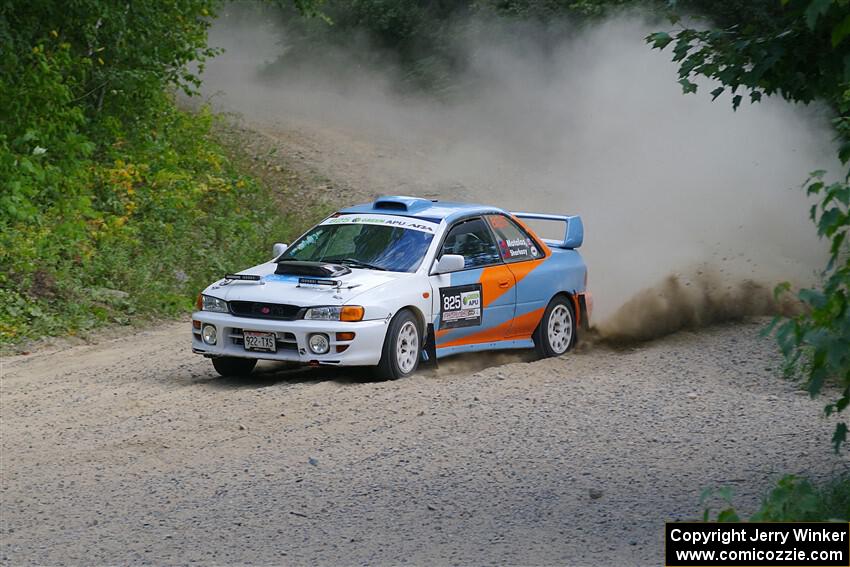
547,9
815,344
727,514
792,500
792,55
94,58
800,53
420,38
414,37
163,213
113,204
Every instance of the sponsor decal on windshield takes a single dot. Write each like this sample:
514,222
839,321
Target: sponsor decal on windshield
385,220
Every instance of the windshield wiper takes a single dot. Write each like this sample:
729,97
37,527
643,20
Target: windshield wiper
358,264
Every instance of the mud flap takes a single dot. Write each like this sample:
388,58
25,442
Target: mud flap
429,349
585,316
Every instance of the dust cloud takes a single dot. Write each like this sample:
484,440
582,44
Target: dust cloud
692,212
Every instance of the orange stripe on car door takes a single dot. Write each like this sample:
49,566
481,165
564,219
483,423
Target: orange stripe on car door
527,322
522,269
495,281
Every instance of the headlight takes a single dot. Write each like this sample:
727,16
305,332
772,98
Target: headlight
214,304
335,313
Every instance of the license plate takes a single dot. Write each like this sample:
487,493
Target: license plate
259,341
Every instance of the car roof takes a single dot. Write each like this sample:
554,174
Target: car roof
424,209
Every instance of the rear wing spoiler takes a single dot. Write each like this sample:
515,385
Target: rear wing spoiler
573,232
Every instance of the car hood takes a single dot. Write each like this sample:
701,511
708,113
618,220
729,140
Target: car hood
277,288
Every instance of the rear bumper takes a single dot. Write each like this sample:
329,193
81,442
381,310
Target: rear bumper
292,336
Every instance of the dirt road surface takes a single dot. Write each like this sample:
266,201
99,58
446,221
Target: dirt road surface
134,451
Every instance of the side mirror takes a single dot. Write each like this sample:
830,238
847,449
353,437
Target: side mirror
450,263
279,249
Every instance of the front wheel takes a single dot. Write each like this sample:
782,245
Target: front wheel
555,334
402,347
229,366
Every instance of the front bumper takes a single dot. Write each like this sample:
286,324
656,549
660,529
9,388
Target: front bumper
364,350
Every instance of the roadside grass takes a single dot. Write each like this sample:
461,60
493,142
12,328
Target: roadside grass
168,207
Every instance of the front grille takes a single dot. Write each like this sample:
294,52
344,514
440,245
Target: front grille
260,310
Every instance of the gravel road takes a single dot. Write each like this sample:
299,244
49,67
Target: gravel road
132,451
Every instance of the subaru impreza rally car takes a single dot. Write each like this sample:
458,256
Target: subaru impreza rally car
399,282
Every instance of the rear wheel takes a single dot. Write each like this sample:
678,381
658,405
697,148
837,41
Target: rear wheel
231,366
556,333
402,347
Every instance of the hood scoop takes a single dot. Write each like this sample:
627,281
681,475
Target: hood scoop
311,269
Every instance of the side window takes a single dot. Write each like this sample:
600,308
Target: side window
472,240
514,243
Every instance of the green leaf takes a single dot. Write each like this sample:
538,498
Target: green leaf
687,86
812,297
841,31
814,188
837,241
728,515
829,221
767,330
716,93
736,102
817,376
816,9
659,40
840,436
726,493
781,289
844,152
844,401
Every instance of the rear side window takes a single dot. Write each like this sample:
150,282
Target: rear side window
472,240
515,245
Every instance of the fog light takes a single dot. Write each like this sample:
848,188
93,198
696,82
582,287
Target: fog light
319,343
209,334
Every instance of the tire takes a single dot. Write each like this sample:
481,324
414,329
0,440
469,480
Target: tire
402,347
229,366
556,333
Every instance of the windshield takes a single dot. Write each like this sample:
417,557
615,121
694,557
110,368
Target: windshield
368,246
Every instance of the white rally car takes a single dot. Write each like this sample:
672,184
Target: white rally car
397,282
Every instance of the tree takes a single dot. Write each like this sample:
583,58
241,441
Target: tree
802,54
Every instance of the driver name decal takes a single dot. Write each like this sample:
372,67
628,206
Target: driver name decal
460,306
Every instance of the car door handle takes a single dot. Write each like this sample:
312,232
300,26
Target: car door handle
504,283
